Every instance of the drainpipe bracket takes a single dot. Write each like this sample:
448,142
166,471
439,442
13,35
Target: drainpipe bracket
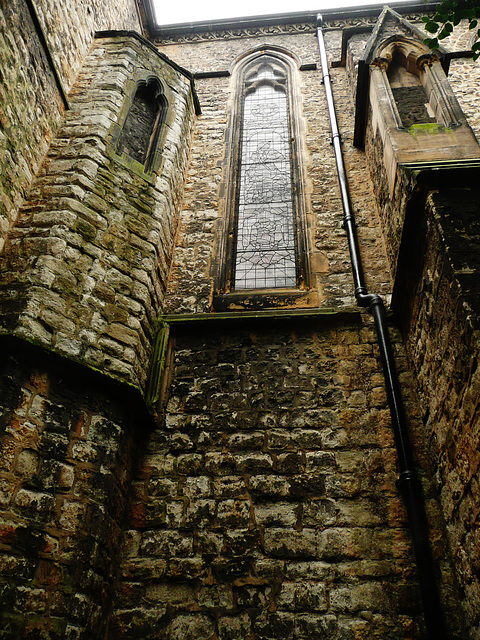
344,224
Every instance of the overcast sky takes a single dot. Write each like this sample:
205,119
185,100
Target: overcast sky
177,11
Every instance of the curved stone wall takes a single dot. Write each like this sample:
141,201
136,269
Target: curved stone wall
88,259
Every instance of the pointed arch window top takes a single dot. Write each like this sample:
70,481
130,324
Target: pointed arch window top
137,135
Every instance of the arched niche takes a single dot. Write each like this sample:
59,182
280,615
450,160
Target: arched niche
416,84
137,136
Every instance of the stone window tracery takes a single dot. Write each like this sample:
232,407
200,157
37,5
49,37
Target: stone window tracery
265,243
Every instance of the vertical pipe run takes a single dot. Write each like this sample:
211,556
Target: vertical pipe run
408,482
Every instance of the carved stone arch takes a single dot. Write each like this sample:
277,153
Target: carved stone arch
284,54
137,137
428,81
275,69
444,137
411,50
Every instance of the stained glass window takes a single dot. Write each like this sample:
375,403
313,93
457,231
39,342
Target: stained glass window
265,251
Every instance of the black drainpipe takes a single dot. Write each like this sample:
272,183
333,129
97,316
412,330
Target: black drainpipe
408,482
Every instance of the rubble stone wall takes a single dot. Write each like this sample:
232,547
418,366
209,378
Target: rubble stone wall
70,28
464,78
30,109
66,447
266,505
432,237
443,342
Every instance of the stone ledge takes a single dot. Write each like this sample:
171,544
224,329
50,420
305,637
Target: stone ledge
128,393
324,315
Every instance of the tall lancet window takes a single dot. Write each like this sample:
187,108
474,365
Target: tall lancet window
262,256
265,254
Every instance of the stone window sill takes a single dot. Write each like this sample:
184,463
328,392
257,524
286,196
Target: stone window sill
134,166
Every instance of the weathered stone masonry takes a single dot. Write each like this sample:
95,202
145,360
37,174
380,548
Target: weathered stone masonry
88,259
190,283
266,505
67,447
258,501
444,335
430,222
31,106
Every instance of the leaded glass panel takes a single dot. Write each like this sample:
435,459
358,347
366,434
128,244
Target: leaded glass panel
265,255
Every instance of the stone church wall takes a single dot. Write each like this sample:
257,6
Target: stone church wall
464,77
430,223
259,501
443,340
266,506
70,28
66,449
87,263
436,301
31,103
88,259
191,280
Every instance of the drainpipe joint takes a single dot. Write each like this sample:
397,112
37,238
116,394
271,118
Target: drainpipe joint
367,300
406,479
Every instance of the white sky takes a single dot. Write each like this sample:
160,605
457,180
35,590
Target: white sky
178,11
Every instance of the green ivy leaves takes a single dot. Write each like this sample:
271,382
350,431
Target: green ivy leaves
448,15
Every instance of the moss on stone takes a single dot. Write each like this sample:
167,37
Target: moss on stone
428,128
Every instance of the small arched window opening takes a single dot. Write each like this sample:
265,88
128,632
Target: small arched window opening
139,134
408,92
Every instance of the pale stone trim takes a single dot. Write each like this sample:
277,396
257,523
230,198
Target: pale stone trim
451,138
